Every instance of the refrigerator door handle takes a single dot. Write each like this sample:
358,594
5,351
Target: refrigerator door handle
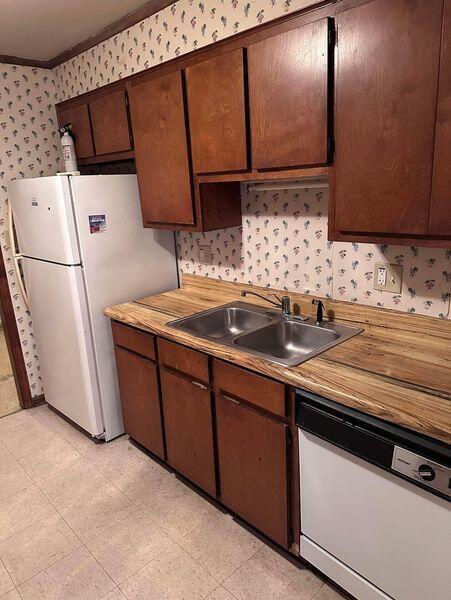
10,240
16,261
16,256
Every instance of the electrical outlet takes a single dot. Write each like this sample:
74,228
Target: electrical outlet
204,255
388,278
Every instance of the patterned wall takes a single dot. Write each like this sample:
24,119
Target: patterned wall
283,243
182,27
29,147
283,239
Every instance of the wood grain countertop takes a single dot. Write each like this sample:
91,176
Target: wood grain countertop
398,369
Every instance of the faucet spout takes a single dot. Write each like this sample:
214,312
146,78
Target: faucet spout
284,302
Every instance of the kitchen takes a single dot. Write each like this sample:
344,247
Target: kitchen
274,447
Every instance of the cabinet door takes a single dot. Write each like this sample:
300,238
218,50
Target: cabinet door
252,454
288,93
188,427
161,151
386,92
217,114
440,216
140,399
110,123
81,127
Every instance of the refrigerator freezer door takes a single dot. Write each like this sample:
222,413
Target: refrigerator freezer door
122,261
63,338
44,219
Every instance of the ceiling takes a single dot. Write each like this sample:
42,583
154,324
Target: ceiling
43,29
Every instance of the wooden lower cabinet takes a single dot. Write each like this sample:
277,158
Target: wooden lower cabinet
189,429
235,450
140,398
253,475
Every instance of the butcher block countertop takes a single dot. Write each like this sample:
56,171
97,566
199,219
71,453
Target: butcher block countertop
398,369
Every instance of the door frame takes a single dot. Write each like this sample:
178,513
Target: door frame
13,343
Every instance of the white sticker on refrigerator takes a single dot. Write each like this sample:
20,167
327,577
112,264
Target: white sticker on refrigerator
97,223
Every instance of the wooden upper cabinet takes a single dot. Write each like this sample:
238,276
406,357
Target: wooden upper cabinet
217,113
440,215
161,150
81,128
386,93
110,123
288,94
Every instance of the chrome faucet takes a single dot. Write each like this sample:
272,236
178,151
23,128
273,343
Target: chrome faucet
284,302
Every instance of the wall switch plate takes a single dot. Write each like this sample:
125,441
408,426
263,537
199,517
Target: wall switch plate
204,254
388,278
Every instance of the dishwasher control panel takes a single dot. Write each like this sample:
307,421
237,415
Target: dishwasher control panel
422,469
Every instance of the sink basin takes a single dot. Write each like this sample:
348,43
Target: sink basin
266,333
225,322
288,340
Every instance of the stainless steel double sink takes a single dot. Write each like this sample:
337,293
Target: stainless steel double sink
266,333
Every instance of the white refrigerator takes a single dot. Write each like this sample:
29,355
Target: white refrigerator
83,247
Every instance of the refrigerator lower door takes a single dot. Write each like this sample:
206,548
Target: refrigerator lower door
63,338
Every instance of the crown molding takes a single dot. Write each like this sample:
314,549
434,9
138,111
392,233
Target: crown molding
143,12
24,62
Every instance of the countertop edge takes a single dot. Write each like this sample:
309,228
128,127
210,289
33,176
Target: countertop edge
309,381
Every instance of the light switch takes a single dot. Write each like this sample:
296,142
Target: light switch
388,278
204,254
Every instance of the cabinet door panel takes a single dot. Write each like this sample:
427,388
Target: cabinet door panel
161,151
288,89
110,123
140,399
440,216
386,90
252,454
81,127
188,426
217,113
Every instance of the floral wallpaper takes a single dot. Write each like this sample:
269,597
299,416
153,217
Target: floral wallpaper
283,238
283,243
29,147
180,28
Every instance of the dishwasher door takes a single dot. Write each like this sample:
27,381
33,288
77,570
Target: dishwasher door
375,534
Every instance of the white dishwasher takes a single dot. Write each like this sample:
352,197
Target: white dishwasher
375,504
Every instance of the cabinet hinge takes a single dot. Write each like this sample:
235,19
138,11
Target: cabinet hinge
330,147
332,34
